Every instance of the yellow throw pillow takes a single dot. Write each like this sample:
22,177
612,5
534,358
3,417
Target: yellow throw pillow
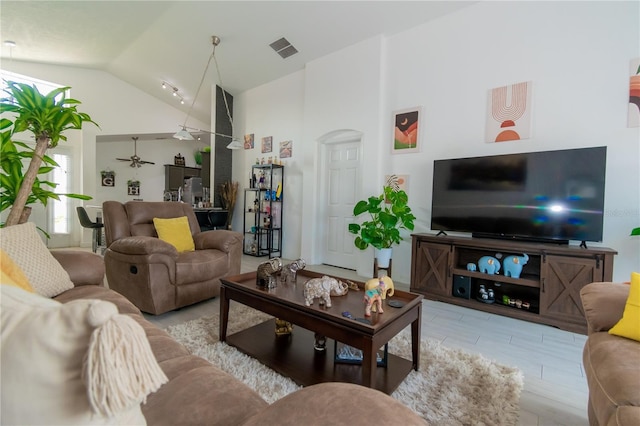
629,324
175,231
11,274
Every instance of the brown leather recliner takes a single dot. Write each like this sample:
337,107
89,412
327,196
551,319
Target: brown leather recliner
150,272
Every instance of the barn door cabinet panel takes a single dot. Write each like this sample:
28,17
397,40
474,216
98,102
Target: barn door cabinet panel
431,267
547,291
564,277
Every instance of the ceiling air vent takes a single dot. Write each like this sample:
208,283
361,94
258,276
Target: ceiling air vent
283,48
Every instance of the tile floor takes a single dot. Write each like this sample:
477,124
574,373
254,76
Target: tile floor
555,390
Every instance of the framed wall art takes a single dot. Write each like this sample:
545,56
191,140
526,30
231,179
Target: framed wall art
133,187
267,144
286,149
509,113
108,178
248,141
406,131
634,94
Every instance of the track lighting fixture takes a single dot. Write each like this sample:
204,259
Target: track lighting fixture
175,93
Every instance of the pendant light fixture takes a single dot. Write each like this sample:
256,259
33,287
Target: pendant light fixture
183,133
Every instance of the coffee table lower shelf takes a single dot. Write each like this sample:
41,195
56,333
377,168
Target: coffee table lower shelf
293,356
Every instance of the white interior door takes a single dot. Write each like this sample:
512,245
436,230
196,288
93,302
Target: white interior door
341,183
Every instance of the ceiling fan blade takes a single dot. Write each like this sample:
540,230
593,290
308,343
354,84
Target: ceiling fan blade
124,159
146,162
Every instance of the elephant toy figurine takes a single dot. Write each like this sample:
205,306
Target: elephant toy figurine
471,267
373,299
375,282
267,272
323,288
488,265
513,264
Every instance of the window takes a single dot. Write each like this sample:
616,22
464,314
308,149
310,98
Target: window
43,86
60,215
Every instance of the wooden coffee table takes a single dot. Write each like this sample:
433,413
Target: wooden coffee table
294,355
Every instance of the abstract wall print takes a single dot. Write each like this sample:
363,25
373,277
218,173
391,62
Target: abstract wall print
406,126
509,113
397,182
286,149
266,144
634,94
248,141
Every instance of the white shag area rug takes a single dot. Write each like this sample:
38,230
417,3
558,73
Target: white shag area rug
452,387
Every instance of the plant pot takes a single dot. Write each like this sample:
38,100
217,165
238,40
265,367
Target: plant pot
383,256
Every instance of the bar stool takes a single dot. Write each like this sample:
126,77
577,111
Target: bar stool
96,226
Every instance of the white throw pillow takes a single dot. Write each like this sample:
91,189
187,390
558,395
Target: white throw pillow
23,244
55,357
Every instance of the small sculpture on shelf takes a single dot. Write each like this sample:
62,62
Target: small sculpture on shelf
513,265
471,267
323,288
489,265
283,327
486,295
373,299
266,274
290,271
375,282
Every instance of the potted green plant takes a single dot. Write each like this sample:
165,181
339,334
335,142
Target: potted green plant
388,213
47,117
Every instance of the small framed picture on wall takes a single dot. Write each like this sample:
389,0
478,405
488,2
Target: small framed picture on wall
406,131
267,144
108,178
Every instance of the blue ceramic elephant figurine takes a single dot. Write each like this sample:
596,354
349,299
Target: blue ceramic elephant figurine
513,265
488,265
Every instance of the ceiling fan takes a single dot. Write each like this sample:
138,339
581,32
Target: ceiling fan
135,160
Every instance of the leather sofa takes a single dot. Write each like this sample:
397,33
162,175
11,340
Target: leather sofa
150,272
198,393
611,363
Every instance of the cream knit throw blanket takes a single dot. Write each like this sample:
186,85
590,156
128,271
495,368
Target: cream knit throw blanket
119,368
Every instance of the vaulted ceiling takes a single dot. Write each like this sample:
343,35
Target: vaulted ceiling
147,42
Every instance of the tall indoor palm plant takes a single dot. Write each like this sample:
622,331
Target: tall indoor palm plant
47,117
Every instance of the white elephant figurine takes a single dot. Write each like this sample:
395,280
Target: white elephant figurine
323,288
375,282
488,265
513,264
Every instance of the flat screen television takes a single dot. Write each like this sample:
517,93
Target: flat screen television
550,196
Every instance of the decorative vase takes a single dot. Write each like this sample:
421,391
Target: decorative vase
383,256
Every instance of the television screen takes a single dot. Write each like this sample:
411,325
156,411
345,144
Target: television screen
551,195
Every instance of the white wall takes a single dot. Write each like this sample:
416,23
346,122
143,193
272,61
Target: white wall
274,110
576,54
